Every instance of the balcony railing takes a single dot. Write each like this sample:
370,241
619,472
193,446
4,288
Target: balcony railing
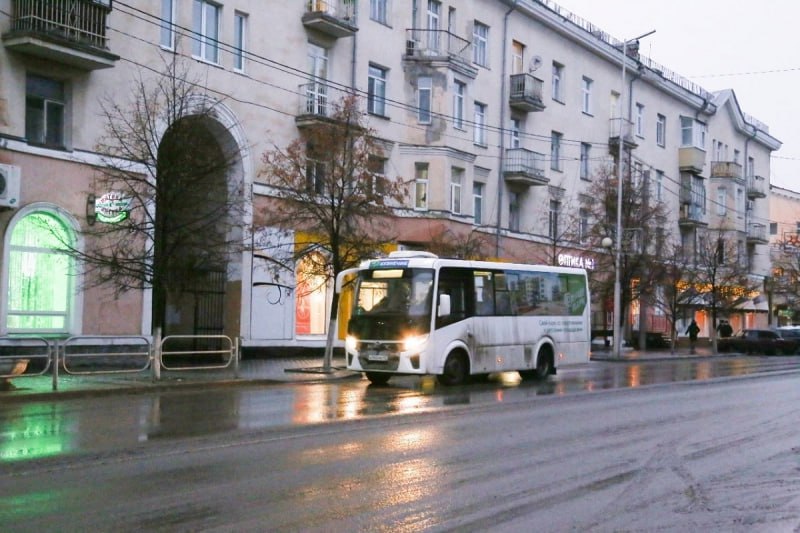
620,128
421,43
524,167
756,187
691,215
320,101
78,21
526,93
757,233
726,169
336,18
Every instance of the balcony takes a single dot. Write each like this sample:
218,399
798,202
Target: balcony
726,169
691,215
440,48
757,234
620,128
72,32
691,159
319,103
756,187
526,93
524,168
334,18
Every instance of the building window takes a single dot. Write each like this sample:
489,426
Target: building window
722,196
458,105
555,150
239,40
480,44
377,180
421,186
693,133
41,275
44,111
456,177
477,202
661,130
315,177
659,185
479,136
639,120
167,24
751,167
517,57
583,225
773,228
378,10
311,290
424,90
586,95
376,91
513,211
514,132
586,150
558,74
206,31
552,219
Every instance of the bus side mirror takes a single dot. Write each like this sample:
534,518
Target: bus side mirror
444,305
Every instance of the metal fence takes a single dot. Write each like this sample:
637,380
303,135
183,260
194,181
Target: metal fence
91,355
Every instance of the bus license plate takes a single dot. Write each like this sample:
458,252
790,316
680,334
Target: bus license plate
378,357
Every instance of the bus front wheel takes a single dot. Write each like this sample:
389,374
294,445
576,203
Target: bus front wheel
378,378
456,369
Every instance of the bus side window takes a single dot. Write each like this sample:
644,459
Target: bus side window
455,286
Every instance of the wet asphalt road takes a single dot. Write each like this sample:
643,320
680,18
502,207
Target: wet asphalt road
42,429
592,450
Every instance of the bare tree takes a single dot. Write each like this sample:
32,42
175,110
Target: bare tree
330,188
676,279
167,211
723,275
459,244
641,251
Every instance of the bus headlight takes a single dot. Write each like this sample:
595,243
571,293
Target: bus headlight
413,343
350,343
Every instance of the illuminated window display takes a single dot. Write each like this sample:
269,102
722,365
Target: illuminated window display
310,310
39,275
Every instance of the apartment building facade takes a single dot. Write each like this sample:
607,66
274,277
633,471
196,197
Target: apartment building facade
498,114
784,240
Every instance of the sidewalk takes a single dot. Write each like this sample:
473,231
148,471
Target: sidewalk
253,370
257,370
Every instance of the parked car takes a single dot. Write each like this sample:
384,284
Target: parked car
764,341
789,332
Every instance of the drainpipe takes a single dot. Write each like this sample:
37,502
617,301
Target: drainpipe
503,104
353,62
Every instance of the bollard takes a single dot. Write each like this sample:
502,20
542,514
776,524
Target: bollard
155,356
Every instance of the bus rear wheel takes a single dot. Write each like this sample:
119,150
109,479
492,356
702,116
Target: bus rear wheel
456,369
544,367
378,378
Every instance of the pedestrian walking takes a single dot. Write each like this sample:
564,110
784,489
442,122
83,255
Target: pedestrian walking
692,330
724,329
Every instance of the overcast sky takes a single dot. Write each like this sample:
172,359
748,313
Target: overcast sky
750,47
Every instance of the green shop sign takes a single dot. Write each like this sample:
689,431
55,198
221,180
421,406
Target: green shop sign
112,208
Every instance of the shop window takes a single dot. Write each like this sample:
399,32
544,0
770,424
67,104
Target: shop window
312,292
40,275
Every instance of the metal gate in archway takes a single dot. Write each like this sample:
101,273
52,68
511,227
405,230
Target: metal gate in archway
209,309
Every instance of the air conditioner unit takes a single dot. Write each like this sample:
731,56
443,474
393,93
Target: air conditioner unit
9,186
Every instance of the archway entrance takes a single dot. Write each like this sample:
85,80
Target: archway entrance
198,219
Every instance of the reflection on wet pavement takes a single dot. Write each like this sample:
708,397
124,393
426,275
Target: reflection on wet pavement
36,430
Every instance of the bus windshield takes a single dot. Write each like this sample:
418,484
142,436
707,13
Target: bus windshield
391,303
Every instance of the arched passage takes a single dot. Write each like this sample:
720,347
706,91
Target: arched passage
199,216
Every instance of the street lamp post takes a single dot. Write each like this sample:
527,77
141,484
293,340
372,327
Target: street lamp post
618,244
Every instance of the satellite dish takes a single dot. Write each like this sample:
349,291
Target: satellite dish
535,63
